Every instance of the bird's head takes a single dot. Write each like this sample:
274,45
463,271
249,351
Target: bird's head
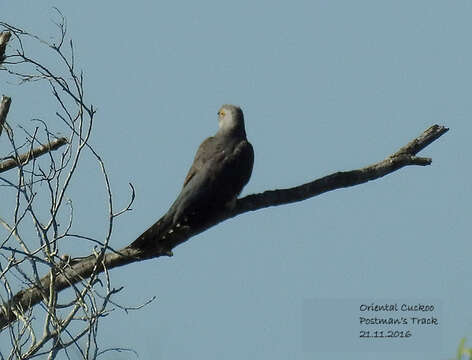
230,118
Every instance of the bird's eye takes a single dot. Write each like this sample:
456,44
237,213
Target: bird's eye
221,113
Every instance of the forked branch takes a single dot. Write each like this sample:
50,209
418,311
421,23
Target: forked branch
75,270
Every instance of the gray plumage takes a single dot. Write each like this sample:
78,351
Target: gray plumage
221,168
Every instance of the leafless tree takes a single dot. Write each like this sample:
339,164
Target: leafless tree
34,268
36,214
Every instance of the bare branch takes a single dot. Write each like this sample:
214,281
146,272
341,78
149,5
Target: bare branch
33,154
79,269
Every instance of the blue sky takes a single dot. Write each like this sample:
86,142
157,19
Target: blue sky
325,86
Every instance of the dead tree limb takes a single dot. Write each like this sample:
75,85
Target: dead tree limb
22,159
33,154
75,270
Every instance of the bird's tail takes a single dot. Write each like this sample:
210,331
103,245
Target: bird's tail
154,234
166,228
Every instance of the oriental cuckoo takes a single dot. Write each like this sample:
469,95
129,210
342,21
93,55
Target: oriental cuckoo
222,166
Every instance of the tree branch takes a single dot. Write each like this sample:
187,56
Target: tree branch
36,152
403,157
75,270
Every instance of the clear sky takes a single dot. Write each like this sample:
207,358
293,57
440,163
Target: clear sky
325,86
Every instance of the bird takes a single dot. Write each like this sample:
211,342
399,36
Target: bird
221,168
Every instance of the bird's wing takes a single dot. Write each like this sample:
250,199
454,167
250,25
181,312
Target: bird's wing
216,178
204,153
236,169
